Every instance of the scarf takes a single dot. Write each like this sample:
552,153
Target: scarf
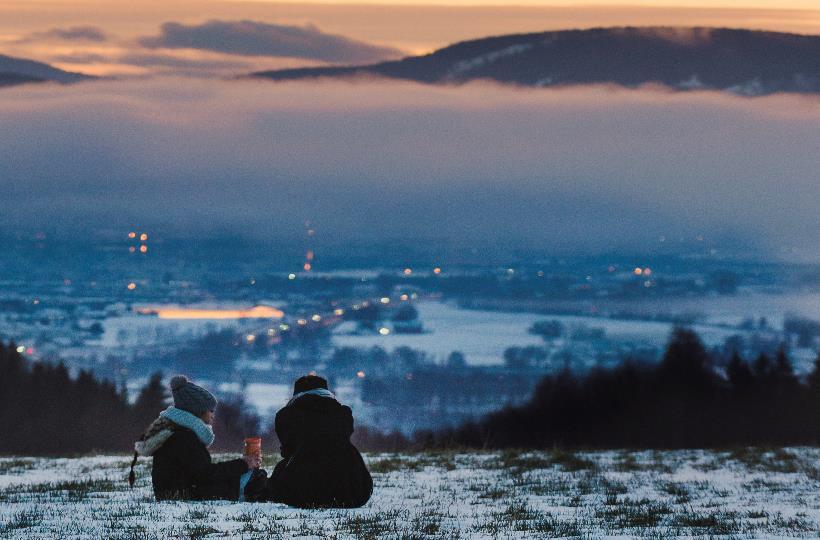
322,392
203,431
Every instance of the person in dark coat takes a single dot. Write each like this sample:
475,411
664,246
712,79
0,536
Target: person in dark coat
320,467
178,441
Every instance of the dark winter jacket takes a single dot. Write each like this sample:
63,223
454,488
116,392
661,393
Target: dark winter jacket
183,470
320,467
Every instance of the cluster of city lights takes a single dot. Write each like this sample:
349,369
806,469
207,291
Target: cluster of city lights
645,272
23,349
308,267
142,238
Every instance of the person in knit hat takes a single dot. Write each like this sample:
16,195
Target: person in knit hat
178,441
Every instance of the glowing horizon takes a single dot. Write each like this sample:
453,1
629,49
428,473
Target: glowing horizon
33,29
256,312
705,4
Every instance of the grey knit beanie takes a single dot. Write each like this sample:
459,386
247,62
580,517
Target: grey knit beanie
191,397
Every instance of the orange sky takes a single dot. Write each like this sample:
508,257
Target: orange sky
416,26
656,3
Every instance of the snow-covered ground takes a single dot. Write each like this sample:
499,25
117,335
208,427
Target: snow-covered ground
747,493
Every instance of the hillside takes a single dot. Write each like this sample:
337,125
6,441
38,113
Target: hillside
15,71
739,61
748,492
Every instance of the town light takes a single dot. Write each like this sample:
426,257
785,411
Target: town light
256,312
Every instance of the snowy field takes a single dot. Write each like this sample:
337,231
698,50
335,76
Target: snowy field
748,493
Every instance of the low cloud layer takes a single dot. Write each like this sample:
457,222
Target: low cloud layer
570,170
74,33
254,38
181,65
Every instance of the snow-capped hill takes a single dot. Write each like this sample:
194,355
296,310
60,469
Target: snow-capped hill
20,70
741,61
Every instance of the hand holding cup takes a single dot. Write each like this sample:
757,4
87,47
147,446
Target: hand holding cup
253,462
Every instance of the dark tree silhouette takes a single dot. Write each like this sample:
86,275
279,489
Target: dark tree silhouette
233,423
682,402
739,374
43,410
152,399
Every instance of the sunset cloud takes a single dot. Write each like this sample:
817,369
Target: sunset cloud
74,33
252,38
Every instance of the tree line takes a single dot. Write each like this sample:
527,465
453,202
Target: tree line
45,411
689,399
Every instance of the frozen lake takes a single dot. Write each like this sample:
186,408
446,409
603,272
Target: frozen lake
484,335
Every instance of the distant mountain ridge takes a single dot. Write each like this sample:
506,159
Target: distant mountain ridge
20,70
745,62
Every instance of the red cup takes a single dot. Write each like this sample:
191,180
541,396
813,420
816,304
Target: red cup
253,447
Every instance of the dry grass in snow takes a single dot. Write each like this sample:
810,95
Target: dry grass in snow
747,493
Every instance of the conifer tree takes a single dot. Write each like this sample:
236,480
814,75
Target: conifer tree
151,400
739,373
